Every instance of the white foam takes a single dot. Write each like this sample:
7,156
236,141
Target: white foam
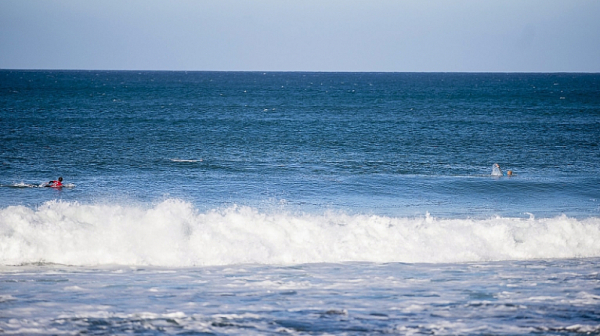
174,233
186,160
23,185
41,185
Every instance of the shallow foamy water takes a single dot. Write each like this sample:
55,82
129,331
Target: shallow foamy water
559,297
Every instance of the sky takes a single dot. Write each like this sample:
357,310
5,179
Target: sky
302,35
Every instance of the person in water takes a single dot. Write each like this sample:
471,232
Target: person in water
496,170
56,184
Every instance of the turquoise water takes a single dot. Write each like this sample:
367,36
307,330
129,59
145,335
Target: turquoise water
254,189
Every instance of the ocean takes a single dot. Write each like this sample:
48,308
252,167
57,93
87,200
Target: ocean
255,203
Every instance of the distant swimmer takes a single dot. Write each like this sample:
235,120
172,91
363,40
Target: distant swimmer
496,170
55,184
509,173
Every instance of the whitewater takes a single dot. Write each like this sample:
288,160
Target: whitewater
174,233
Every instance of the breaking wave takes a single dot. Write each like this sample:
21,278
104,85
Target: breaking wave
174,233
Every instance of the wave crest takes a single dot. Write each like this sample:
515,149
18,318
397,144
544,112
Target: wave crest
174,233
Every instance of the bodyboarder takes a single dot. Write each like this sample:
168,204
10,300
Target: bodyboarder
56,183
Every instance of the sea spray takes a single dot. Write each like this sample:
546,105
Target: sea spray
174,233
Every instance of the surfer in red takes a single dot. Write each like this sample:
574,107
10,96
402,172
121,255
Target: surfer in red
56,184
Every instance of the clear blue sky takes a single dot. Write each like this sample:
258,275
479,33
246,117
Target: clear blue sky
307,35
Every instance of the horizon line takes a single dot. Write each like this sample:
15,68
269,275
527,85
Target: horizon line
305,71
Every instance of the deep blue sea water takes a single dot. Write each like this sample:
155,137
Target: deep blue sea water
302,203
